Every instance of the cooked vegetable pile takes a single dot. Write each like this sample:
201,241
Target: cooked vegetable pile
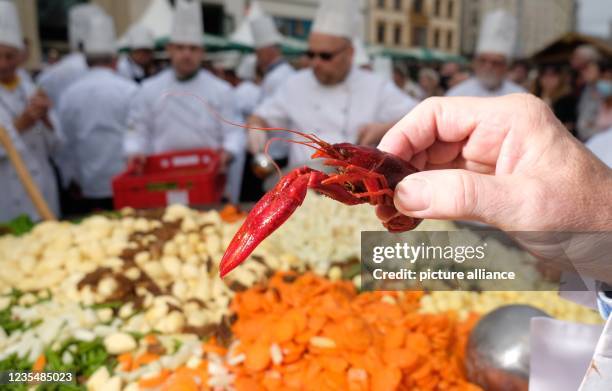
133,301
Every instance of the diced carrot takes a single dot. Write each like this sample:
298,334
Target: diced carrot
183,379
39,364
283,330
387,378
209,347
257,357
332,338
247,384
155,381
125,361
144,359
150,339
394,338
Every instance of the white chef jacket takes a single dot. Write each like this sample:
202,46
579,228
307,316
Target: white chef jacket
93,115
55,79
601,146
35,146
473,87
248,95
129,69
275,76
160,121
333,113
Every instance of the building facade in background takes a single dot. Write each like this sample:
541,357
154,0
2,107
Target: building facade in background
540,22
446,25
434,24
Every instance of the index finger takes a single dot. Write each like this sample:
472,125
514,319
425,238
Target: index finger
446,119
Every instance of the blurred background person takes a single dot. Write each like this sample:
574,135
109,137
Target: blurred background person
53,57
590,101
448,72
93,115
248,90
496,44
24,113
604,90
56,79
138,63
159,122
429,82
275,71
519,74
334,99
403,81
553,86
582,56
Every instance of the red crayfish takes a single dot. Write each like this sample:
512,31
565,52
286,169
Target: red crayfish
363,174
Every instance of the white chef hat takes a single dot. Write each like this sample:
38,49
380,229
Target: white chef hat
100,38
336,17
247,69
78,22
265,32
187,26
498,33
140,37
10,27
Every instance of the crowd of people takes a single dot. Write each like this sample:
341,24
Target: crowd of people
93,112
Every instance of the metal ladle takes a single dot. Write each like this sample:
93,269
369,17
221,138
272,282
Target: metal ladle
497,356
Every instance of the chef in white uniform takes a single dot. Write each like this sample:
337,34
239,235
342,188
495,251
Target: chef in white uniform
57,78
138,63
167,113
93,115
270,61
333,98
248,92
496,46
275,70
24,113
54,80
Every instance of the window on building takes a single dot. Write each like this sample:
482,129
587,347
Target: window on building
381,3
449,40
380,32
397,34
417,6
451,9
419,36
436,38
53,18
398,5
437,6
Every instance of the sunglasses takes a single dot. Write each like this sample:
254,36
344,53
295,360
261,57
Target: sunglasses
325,56
495,63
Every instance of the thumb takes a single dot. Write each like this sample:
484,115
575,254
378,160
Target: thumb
458,194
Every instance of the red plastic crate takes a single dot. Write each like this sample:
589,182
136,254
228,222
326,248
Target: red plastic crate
190,177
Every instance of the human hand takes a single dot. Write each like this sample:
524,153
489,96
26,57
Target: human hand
36,110
136,163
372,133
39,105
503,161
225,160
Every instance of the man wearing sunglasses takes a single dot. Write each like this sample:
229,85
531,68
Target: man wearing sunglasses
496,45
332,98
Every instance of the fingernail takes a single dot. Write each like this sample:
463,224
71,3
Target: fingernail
413,195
